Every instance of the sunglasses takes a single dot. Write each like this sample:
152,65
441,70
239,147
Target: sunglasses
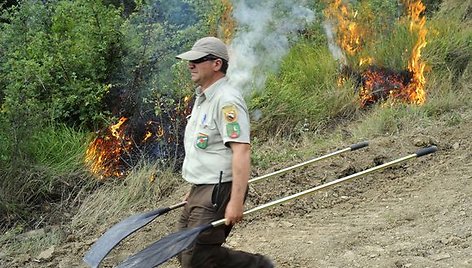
203,59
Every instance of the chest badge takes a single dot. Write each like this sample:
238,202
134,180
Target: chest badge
202,140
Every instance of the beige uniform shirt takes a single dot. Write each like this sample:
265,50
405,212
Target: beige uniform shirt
219,116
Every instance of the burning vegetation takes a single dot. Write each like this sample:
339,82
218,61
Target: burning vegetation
376,83
119,147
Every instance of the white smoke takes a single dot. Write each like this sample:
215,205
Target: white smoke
332,45
265,28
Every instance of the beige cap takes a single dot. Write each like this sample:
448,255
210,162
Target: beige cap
204,47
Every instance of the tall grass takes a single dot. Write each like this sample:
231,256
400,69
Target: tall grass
59,148
304,95
393,49
50,170
390,119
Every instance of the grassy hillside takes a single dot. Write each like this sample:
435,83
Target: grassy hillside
303,112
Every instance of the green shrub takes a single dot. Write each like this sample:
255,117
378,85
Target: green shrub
57,68
449,49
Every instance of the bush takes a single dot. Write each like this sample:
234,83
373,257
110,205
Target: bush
57,68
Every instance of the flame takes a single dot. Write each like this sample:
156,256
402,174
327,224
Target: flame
415,65
381,84
222,22
103,153
114,129
147,135
228,23
160,132
349,32
366,61
393,84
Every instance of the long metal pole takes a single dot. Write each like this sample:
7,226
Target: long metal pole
421,152
282,171
169,246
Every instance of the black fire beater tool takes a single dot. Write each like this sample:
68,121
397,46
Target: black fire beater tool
171,245
126,227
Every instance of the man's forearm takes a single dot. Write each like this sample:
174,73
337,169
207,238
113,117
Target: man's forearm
241,166
241,171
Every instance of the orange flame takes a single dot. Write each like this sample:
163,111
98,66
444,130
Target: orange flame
228,24
366,61
105,151
381,83
147,135
115,128
349,32
113,152
415,65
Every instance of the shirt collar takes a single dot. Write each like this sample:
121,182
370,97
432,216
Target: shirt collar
211,90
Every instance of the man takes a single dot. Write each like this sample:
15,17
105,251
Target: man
217,160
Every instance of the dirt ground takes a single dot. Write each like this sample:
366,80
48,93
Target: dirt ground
414,214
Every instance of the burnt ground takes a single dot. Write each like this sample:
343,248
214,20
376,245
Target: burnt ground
414,214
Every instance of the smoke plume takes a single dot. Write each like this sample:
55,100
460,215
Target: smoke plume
333,46
265,29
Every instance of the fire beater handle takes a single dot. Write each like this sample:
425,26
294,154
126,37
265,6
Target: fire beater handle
359,145
426,151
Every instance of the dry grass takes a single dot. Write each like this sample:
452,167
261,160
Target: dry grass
139,191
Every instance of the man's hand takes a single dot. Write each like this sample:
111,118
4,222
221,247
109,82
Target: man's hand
186,196
234,212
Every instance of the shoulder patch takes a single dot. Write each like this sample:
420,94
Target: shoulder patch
233,130
230,113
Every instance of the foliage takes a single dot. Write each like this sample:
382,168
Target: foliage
57,68
127,6
393,50
154,35
378,16
55,60
449,49
447,55
291,99
74,63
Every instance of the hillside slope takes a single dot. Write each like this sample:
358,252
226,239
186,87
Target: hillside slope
415,214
